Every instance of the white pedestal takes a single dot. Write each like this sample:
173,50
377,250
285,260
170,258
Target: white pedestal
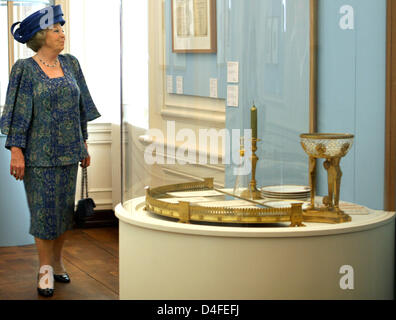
161,259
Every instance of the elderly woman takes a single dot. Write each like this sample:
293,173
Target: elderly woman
45,119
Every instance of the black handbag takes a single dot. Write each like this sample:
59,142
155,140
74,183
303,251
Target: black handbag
85,206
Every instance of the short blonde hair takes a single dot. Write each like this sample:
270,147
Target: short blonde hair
38,40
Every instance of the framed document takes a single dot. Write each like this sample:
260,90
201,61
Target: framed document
194,26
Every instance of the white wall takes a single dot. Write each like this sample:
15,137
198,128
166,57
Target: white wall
95,41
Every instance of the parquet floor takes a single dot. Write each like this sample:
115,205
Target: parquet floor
90,257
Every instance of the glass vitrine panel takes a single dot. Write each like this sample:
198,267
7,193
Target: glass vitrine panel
207,87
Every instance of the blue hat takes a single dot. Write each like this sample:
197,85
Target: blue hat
37,21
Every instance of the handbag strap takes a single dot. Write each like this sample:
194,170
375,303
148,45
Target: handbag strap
84,183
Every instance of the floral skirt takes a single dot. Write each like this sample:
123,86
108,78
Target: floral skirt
51,194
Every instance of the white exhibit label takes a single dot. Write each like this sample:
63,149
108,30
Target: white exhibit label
179,85
169,84
232,72
233,96
213,88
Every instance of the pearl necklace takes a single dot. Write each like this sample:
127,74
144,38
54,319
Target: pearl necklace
48,65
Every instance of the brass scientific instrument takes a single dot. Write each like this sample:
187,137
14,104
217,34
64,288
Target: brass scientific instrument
331,147
186,212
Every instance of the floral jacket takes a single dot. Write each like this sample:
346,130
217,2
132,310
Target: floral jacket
47,117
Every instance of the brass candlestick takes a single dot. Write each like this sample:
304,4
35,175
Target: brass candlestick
252,192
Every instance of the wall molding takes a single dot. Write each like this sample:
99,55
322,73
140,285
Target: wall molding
100,178
218,167
147,140
98,126
195,109
189,176
99,133
104,202
99,142
193,116
99,130
189,171
100,190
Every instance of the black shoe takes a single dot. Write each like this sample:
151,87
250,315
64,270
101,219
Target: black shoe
45,292
62,277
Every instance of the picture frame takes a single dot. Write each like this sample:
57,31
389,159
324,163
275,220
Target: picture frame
194,28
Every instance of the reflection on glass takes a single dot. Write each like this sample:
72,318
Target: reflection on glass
190,135
241,186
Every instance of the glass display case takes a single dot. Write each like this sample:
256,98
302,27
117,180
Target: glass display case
244,156
226,82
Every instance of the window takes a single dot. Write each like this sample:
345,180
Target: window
93,31
3,51
22,9
10,12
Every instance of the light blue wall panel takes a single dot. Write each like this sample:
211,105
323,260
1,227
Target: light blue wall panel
270,39
352,94
197,68
14,212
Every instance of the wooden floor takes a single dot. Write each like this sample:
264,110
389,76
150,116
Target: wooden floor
90,258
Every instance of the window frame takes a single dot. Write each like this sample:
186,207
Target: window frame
10,17
11,20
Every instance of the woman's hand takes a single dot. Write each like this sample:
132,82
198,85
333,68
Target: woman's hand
17,167
85,163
